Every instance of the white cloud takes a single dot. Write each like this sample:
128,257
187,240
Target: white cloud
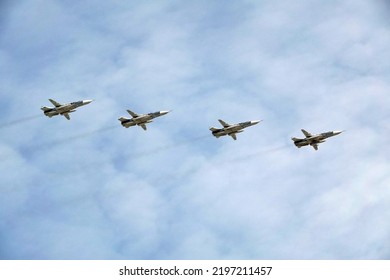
175,191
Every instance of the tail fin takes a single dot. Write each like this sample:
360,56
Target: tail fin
295,139
44,108
213,129
122,119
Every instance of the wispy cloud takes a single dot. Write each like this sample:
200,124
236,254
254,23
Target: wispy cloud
90,189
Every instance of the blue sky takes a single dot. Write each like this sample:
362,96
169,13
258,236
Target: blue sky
90,189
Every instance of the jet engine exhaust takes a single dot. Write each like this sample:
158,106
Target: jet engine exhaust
18,121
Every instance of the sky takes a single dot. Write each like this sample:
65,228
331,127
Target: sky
89,188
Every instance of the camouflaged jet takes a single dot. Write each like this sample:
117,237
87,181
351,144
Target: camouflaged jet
140,120
63,109
231,129
313,140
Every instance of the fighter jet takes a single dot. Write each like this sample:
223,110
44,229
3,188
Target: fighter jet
313,140
63,109
231,129
140,120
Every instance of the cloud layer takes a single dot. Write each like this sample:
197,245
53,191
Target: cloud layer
91,189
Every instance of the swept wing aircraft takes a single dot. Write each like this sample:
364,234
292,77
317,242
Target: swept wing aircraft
313,140
231,129
63,109
140,120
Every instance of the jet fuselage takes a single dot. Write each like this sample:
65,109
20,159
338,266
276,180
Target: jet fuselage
233,129
64,108
141,120
314,140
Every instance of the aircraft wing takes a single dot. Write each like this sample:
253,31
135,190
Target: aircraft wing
55,103
224,124
233,135
307,134
143,126
134,115
315,146
66,115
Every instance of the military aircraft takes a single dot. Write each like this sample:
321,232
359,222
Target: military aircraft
231,129
63,109
140,120
313,140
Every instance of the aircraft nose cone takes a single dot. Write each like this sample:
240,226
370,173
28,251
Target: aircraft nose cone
337,132
87,101
164,112
255,122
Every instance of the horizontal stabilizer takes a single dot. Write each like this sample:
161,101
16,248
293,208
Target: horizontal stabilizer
122,119
213,129
45,108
